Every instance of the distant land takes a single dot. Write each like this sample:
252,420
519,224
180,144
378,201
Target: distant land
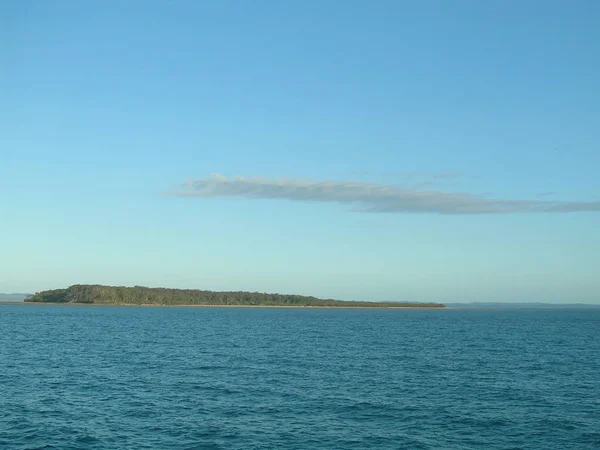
141,295
531,305
13,297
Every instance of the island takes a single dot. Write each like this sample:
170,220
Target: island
80,294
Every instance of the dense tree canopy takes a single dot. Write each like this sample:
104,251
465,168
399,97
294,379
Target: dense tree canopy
140,295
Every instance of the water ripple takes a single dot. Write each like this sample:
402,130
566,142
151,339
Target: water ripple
94,378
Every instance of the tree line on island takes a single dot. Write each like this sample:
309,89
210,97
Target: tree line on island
141,295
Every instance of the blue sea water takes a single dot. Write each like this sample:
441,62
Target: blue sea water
74,377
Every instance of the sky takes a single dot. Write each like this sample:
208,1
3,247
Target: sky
430,151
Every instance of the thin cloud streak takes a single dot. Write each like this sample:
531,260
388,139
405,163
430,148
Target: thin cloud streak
370,197
447,175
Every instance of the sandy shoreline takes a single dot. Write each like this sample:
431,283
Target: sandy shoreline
221,306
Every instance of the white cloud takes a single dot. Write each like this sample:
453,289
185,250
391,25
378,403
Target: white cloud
370,197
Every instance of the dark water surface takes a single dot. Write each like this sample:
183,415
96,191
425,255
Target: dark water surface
132,377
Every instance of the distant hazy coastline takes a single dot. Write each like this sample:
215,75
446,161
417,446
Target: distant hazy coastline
522,306
13,298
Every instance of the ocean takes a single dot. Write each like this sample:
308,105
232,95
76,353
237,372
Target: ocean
75,377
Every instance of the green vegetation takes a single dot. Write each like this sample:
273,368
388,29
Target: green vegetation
140,295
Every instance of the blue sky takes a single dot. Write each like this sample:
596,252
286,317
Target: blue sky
473,125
